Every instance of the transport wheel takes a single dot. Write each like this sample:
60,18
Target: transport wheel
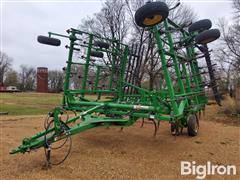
151,14
200,26
192,125
101,44
49,41
207,36
96,54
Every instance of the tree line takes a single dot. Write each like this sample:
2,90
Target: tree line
25,79
116,20
227,55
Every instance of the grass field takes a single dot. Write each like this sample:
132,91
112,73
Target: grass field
28,103
32,103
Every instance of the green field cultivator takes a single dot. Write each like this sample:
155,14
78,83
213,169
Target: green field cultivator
107,70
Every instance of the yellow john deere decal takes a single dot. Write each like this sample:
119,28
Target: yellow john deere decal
154,20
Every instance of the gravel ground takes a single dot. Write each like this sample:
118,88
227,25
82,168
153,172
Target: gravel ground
131,154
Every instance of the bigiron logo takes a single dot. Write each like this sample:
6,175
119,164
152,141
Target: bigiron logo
201,171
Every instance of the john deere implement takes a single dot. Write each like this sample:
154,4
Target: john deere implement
108,69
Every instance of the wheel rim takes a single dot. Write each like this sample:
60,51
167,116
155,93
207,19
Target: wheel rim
152,20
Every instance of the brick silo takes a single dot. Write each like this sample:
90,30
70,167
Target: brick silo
42,79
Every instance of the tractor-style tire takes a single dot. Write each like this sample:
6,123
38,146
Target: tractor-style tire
151,14
101,44
200,26
96,54
48,41
192,125
207,36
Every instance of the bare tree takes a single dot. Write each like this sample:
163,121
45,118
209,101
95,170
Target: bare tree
183,15
55,80
151,67
110,22
236,6
5,65
12,78
27,78
228,54
116,20
231,41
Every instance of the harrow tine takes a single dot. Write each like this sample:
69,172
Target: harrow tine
204,49
48,156
138,67
155,127
129,65
158,125
142,123
121,129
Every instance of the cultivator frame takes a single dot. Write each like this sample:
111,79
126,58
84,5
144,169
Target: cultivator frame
178,103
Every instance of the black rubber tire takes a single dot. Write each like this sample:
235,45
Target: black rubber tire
48,41
151,14
192,125
207,36
101,44
96,54
200,26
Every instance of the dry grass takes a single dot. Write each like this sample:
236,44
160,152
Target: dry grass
230,107
28,103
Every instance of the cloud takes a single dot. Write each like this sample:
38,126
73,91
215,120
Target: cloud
23,22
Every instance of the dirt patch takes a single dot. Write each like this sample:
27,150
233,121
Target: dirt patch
212,114
131,154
